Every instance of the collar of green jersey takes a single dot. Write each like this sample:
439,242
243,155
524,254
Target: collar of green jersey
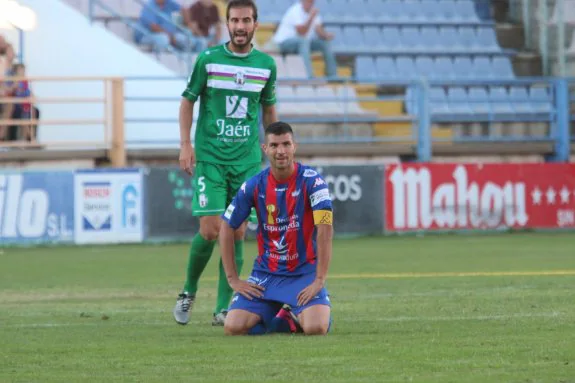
237,54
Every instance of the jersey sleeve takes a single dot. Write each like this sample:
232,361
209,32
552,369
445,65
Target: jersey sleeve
197,80
269,90
240,207
320,199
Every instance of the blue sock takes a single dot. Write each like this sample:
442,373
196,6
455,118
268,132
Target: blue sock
279,325
258,329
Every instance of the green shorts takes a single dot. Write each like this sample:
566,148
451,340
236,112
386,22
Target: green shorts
215,186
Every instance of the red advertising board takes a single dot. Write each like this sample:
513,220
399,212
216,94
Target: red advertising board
479,196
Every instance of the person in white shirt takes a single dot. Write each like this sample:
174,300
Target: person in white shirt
301,31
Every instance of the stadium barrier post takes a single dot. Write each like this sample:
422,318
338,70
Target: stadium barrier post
118,146
562,144
424,122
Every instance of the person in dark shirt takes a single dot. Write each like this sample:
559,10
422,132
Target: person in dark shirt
203,19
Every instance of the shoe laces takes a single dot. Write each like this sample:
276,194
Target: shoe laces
186,301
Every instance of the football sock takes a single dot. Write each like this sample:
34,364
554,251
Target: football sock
225,292
200,253
280,325
258,329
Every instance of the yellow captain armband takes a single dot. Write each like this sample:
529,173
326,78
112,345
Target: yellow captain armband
323,217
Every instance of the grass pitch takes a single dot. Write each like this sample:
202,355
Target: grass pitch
485,308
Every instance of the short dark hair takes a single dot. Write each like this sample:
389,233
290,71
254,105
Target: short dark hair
278,128
242,4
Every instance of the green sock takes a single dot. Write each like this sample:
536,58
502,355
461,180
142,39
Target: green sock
225,292
200,253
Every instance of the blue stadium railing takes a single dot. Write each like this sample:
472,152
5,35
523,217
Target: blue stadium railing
556,120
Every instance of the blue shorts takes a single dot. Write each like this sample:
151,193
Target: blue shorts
279,290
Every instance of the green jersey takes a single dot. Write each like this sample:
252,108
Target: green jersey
231,88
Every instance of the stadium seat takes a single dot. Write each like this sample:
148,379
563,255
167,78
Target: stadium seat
372,37
540,100
457,99
365,69
482,68
478,100
449,38
391,38
326,101
463,68
405,68
499,100
424,67
520,99
348,100
438,101
281,69
502,68
386,68
295,67
430,39
306,104
444,68
487,40
410,39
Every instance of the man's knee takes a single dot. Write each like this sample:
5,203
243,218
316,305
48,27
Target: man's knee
317,328
210,227
239,322
234,328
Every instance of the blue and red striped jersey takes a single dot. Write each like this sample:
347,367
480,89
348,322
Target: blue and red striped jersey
286,233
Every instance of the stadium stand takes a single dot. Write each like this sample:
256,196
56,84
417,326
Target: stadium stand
391,55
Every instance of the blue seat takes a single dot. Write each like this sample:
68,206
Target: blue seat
467,37
465,11
365,68
479,100
520,99
430,11
391,39
482,67
487,40
502,68
449,39
353,37
499,99
386,68
373,10
463,68
405,68
410,39
540,100
443,68
430,40
391,10
424,66
338,43
457,99
373,38
483,9
411,11
438,101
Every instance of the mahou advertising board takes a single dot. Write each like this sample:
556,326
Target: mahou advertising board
479,196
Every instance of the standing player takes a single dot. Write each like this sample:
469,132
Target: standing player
232,81
294,212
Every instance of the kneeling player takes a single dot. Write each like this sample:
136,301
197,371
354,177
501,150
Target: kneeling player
294,234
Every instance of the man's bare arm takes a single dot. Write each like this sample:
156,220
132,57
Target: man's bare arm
227,250
269,115
186,118
324,250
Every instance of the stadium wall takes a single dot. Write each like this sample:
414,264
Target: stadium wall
154,204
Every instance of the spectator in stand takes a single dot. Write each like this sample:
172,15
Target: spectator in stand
6,61
158,18
203,20
24,110
301,31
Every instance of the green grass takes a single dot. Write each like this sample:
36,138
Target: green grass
406,309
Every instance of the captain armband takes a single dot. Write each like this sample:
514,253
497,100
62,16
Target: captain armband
323,217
